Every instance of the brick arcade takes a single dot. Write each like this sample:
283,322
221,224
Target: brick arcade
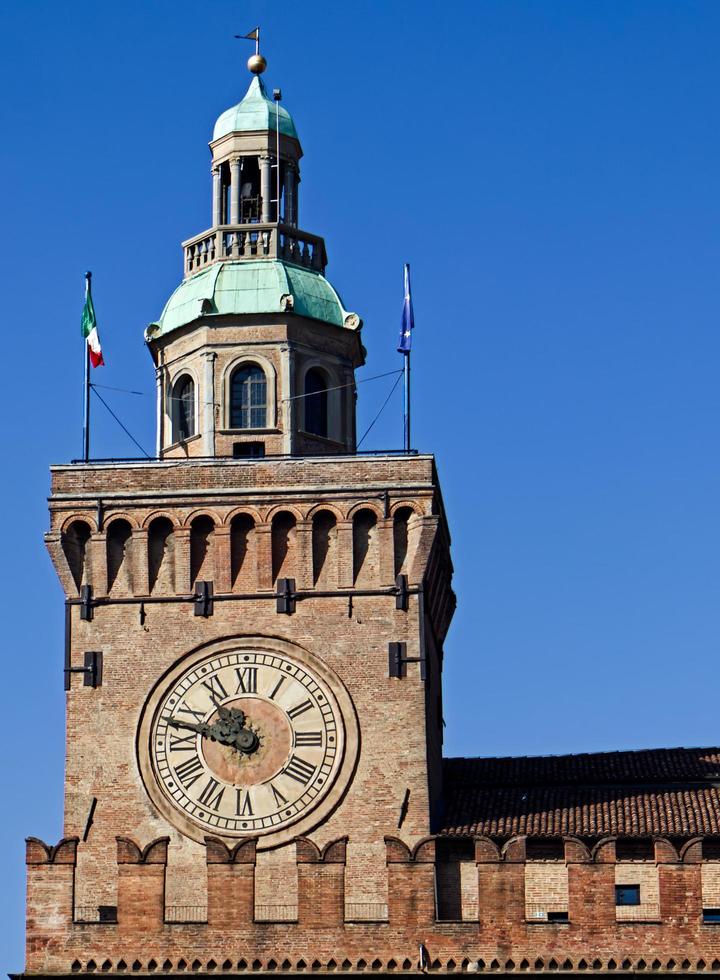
304,819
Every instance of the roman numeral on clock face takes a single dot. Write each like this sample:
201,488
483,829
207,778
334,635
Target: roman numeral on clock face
247,680
189,771
182,743
185,709
206,797
277,688
243,803
308,738
300,708
299,770
280,800
215,687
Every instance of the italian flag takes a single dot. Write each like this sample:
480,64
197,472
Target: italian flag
88,326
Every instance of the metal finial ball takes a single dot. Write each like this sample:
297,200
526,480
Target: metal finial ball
256,64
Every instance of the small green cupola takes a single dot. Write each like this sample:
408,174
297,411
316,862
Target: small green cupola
255,352
255,159
256,113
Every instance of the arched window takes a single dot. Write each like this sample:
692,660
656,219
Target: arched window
366,566
283,543
202,532
183,409
118,546
324,547
161,555
74,544
316,403
248,398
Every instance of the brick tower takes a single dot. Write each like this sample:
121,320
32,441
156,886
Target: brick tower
254,632
254,622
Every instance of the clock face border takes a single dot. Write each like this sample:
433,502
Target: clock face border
311,815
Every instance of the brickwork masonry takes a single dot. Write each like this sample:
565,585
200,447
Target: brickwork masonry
235,932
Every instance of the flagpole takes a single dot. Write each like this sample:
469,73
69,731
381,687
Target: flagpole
404,346
86,412
406,399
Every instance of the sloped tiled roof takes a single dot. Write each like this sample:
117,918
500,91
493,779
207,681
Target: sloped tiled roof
673,792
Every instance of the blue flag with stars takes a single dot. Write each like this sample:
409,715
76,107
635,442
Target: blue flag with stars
408,320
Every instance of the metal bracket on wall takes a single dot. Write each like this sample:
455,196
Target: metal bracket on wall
86,606
92,671
397,660
285,596
402,596
203,603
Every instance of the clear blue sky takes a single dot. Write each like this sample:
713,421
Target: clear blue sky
551,171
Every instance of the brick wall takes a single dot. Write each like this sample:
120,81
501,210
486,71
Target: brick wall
546,889
235,926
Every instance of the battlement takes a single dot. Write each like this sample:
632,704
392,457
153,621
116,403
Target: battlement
469,912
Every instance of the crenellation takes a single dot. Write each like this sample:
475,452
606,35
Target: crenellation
322,920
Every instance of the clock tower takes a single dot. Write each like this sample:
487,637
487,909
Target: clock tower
254,626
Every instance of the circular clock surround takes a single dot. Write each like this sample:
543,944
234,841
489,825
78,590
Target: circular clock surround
289,711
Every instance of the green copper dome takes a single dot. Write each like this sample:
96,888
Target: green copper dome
263,286
256,113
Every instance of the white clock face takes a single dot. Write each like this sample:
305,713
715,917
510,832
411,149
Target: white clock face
245,742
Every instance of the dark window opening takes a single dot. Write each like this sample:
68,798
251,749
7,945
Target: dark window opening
316,403
250,204
248,398
627,894
183,409
74,544
557,917
248,450
711,915
711,849
107,913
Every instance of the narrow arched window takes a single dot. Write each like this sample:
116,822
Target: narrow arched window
183,409
74,544
316,403
248,398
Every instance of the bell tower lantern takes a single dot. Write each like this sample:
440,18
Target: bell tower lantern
255,352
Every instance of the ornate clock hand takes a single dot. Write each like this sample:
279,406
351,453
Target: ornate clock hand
229,729
202,727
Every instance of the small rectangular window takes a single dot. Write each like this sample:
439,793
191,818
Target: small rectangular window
248,450
627,894
711,915
557,917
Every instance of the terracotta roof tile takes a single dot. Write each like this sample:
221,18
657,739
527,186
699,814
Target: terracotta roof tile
660,791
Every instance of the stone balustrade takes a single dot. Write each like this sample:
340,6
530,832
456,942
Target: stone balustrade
226,243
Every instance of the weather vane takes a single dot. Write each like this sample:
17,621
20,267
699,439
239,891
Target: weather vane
256,63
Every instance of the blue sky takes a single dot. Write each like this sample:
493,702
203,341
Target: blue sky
551,172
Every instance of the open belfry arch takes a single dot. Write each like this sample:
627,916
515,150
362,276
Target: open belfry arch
255,623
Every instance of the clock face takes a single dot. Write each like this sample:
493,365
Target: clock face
244,742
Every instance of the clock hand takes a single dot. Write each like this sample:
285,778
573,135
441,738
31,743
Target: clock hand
229,730
202,728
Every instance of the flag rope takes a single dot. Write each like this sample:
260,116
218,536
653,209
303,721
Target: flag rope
397,382
123,427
